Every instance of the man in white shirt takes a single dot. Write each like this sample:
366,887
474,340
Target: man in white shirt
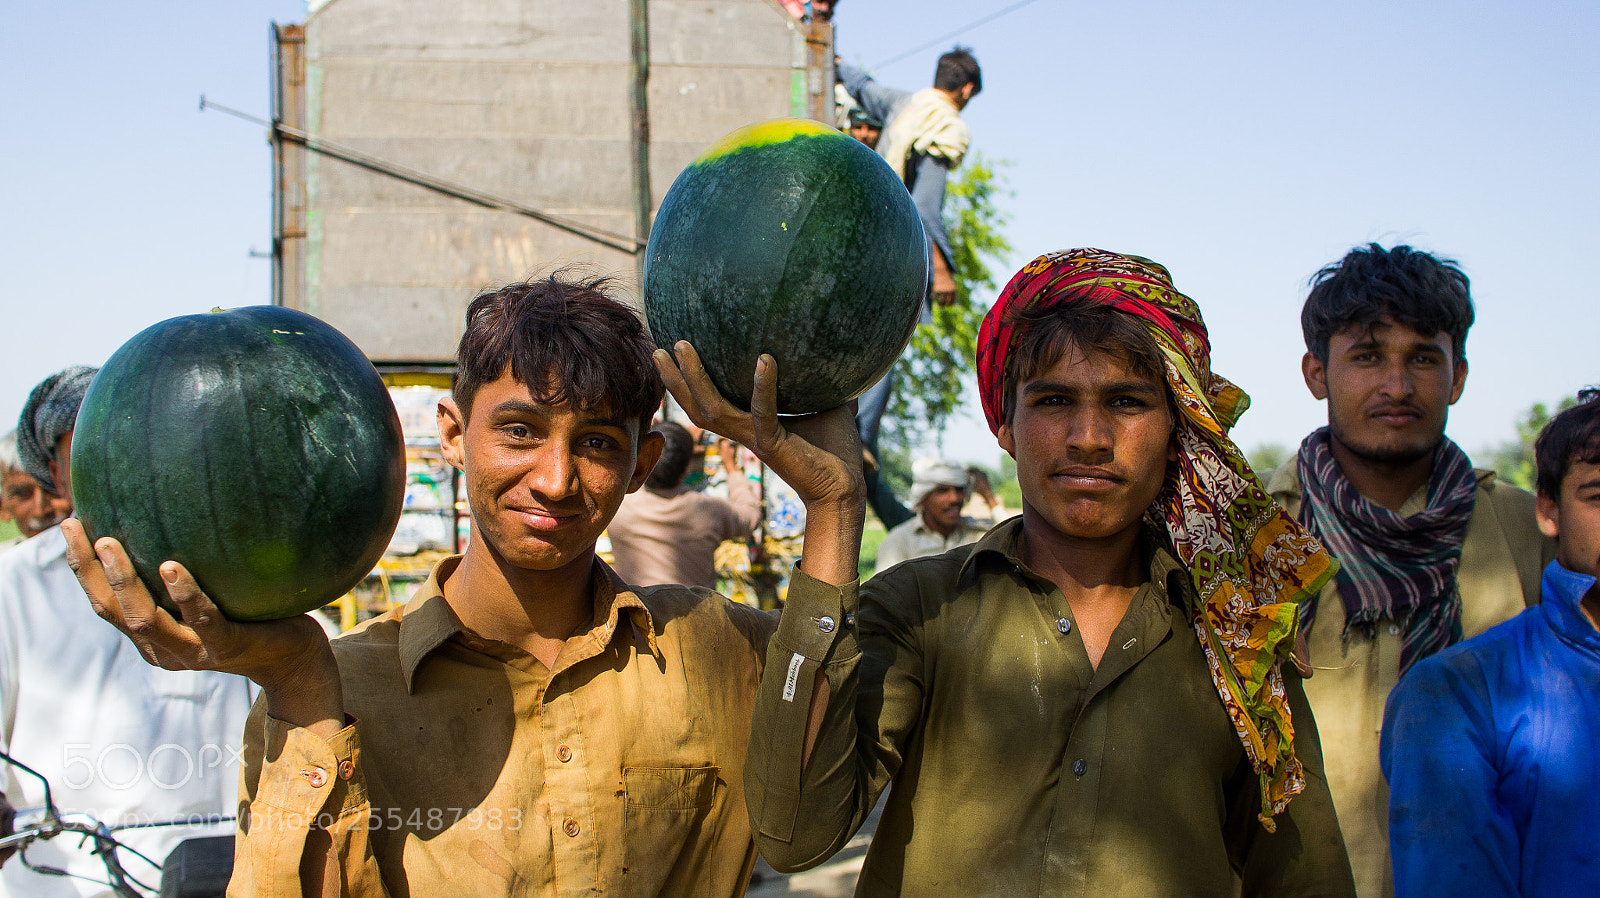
116,737
938,493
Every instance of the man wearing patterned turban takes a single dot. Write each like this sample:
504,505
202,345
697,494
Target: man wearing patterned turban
1098,697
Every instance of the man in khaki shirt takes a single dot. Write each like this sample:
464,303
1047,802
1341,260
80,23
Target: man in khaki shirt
939,496
1432,550
527,725
1095,699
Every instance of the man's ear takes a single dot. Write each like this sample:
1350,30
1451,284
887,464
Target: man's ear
61,466
1316,375
650,446
1008,441
1548,513
452,432
1458,380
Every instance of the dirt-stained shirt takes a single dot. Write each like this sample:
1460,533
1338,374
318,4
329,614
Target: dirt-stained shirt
1017,767
472,769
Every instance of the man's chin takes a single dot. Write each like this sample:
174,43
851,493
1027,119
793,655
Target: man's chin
1390,454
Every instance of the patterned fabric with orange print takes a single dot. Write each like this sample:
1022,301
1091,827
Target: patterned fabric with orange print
1251,563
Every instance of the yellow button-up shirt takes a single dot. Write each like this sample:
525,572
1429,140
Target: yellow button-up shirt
471,769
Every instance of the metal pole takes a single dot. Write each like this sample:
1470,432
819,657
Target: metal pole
639,78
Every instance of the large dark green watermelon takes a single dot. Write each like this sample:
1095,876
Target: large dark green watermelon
790,238
258,447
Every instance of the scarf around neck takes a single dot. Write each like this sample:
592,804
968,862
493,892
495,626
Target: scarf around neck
1401,569
1251,564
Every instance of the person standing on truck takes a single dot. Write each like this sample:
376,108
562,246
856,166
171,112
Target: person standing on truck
923,140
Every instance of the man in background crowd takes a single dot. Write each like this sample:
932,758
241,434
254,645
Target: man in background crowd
865,127
1489,747
1430,549
938,494
667,532
115,737
22,500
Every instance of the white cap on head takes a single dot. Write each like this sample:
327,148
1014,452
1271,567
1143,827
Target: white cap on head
928,474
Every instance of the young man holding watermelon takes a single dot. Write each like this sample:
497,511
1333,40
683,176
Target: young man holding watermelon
527,724
1095,698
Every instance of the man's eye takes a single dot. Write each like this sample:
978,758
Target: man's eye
517,432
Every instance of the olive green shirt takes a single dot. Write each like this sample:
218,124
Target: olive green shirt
1017,768
1502,558
474,770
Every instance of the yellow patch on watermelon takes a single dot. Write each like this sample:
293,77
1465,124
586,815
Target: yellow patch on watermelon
779,130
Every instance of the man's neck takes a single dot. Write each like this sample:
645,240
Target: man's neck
534,610
1388,484
1098,577
1590,603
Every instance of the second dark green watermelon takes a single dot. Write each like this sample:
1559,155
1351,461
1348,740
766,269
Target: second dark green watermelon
791,238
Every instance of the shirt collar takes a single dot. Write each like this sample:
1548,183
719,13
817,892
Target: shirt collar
1004,541
427,622
1563,590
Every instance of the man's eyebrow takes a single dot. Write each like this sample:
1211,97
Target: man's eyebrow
1591,483
1120,386
1132,386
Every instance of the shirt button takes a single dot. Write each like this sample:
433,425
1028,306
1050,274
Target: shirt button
825,624
1394,629
849,620
1080,767
563,753
1064,625
347,769
570,826
316,776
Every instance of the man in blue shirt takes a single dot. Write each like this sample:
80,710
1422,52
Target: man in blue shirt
1492,747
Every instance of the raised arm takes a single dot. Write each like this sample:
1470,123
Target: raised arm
304,832
875,98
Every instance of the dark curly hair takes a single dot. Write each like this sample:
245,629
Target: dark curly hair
567,340
1419,290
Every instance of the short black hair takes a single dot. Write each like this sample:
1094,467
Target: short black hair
676,454
956,70
1417,289
1573,435
1045,333
567,340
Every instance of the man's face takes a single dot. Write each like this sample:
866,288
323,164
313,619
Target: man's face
866,133
34,510
1092,439
822,10
1389,390
941,509
542,481
1573,518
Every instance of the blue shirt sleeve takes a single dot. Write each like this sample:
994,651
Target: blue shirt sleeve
927,192
1449,834
876,99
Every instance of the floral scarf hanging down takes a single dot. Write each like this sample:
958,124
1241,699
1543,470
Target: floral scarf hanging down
1251,564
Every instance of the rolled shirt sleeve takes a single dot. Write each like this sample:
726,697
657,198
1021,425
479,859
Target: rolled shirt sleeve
304,815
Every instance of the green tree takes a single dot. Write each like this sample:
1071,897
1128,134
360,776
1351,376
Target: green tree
932,375
1513,461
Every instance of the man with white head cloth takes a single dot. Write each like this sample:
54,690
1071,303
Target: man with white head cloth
115,737
938,492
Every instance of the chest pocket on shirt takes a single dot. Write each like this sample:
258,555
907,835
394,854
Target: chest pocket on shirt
667,831
670,788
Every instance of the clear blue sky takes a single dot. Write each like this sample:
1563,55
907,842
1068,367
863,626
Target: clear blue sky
1242,144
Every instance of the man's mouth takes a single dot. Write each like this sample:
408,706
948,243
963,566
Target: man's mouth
1088,477
540,519
1396,415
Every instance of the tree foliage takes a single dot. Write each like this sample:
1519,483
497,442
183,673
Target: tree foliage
932,376
1513,462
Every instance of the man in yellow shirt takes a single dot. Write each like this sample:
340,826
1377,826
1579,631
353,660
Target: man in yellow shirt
528,724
